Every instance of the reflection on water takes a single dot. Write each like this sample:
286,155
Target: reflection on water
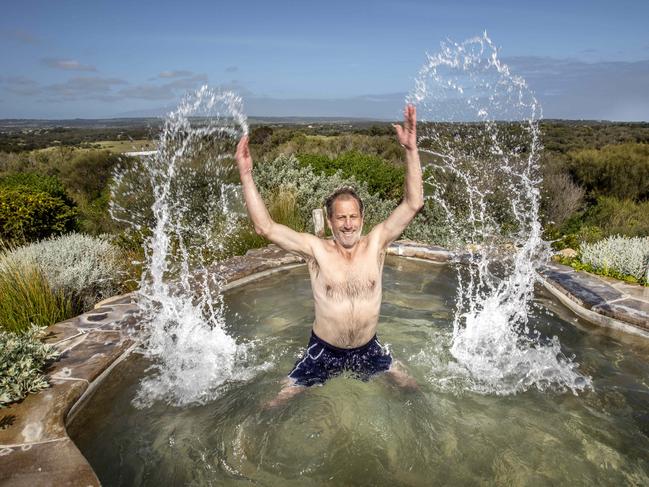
350,432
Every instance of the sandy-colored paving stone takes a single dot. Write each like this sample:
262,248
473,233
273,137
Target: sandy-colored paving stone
238,268
56,464
100,318
632,290
413,249
586,290
61,332
129,298
556,267
91,356
40,417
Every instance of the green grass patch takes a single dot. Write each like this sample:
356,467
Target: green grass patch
121,146
27,299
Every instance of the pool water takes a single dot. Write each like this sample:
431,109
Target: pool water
350,432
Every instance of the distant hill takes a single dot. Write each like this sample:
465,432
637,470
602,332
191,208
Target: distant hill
12,124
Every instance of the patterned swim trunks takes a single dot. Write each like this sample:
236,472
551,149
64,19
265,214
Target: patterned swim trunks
321,361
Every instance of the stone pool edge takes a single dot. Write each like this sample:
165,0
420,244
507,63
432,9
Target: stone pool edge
34,446
602,302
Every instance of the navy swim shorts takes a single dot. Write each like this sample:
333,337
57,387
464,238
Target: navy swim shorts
322,361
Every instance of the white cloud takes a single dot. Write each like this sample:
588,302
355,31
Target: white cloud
175,74
21,85
20,36
572,89
166,91
83,87
566,88
67,64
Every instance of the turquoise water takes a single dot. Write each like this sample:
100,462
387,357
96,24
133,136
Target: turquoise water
373,433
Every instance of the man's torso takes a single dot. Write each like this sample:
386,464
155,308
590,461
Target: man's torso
347,292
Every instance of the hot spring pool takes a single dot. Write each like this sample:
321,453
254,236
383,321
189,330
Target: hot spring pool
350,432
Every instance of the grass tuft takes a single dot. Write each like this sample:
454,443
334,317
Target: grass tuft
27,299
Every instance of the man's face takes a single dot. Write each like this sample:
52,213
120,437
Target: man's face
346,222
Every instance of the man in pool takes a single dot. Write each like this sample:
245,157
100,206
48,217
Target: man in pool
346,273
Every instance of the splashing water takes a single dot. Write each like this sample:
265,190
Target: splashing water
480,146
176,201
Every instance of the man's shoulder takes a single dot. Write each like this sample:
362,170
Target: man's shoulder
374,236
324,242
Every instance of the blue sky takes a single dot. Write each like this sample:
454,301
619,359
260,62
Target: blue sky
93,59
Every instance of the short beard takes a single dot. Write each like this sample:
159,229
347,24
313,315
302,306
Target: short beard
356,240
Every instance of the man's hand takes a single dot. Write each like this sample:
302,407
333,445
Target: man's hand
407,135
244,161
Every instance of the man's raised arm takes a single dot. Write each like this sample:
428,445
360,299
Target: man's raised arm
413,200
281,235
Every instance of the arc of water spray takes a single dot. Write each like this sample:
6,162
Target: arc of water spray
465,87
185,336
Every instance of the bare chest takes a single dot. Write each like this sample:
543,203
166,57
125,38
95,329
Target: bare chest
339,279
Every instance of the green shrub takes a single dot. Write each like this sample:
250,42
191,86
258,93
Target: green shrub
36,182
620,170
311,189
382,177
85,175
94,217
318,162
618,256
619,217
82,268
27,215
282,206
88,172
286,173
607,217
22,357
88,175
27,299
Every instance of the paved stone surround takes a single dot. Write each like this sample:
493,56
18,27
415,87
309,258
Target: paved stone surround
35,449
605,302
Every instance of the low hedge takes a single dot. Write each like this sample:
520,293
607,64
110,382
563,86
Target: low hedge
27,215
31,181
382,177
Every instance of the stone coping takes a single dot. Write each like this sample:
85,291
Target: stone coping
34,446
609,303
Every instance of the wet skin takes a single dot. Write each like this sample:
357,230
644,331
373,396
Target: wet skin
346,275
